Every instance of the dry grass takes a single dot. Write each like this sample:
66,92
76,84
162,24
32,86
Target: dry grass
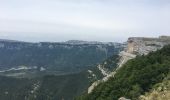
161,91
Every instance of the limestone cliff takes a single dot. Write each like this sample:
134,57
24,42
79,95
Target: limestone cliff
135,46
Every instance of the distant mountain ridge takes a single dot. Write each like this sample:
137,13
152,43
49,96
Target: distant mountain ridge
8,40
65,42
70,56
51,70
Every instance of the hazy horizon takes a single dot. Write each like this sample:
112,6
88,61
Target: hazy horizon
89,20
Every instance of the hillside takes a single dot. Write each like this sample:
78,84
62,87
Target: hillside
52,58
134,78
48,87
160,91
52,87
52,71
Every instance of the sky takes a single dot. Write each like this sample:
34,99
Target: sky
90,20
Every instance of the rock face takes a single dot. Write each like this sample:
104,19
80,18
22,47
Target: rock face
142,45
123,98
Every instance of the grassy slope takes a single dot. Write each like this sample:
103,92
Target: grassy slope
160,91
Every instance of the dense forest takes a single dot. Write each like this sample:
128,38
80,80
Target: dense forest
52,87
135,78
49,87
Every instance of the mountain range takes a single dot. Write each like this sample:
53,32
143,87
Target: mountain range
51,70
82,70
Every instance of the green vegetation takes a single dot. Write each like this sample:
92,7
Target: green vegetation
66,87
65,75
111,63
135,78
45,88
51,87
15,89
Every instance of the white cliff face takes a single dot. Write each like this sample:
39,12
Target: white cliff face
123,98
142,46
19,68
94,84
105,74
124,57
90,89
103,70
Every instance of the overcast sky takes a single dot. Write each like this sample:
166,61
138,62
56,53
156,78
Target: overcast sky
97,20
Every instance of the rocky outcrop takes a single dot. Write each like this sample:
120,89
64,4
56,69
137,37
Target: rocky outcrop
142,45
135,46
123,98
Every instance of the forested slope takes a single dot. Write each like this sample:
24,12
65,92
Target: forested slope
135,78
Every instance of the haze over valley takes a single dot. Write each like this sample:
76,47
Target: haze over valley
84,49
